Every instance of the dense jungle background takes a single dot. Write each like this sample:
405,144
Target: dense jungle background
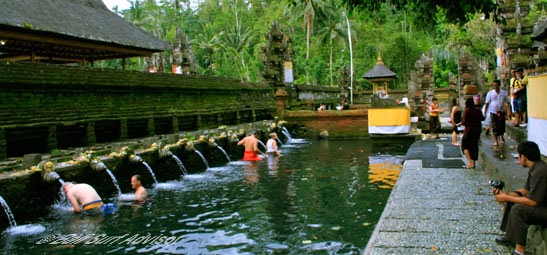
227,36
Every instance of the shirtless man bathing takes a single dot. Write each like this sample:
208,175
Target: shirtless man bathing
251,147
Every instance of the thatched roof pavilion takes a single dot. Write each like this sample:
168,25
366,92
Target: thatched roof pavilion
380,76
64,31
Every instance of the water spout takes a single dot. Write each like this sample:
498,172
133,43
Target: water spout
135,159
225,154
189,147
150,171
99,167
234,138
138,160
165,153
8,212
263,145
203,158
286,133
181,166
212,143
51,177
114,181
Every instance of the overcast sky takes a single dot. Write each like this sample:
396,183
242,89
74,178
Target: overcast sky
122,4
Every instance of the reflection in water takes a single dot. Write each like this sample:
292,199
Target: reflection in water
251,173
320,197
384,171
273,162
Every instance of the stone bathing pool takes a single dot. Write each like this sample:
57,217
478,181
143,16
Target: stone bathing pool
320,197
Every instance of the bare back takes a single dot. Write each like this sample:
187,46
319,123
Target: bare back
81,194
250,143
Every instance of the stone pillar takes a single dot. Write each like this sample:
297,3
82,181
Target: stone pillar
151,127
175,124
123,129
52,138
3,144
90,138
281,102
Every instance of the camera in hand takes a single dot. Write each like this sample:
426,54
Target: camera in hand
497,184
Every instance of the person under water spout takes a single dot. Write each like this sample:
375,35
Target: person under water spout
83,197
251,147
271,145
140,191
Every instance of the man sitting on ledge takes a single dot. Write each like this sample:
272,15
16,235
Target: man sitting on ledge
525,206
83,197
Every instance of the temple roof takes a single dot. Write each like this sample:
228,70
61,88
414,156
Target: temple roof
379,71
69,31
540,31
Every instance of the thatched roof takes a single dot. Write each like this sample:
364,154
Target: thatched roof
70,29
379,71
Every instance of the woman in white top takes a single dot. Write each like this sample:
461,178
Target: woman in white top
271,145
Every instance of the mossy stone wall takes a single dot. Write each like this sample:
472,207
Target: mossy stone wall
44,107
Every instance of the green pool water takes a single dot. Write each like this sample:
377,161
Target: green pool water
320,197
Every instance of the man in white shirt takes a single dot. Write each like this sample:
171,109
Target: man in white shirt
497,101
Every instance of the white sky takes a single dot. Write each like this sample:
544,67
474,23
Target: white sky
122,4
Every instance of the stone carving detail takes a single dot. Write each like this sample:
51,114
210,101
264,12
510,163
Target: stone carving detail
276,53
421,85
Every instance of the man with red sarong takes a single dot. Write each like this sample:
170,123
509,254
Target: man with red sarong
251,147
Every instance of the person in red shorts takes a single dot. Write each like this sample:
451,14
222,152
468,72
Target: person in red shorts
251,147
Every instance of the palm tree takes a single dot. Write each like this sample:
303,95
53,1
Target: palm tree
209,44
311,9
332,31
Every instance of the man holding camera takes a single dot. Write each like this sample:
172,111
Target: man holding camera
525,206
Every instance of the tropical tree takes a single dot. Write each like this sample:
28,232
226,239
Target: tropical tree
333,31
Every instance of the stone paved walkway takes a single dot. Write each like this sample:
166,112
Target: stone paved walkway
438,207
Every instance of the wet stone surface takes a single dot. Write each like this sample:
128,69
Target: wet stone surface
437,210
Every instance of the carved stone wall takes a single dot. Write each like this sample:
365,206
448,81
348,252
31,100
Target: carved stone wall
421,86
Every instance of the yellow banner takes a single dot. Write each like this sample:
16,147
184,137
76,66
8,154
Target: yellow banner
388,117
536,92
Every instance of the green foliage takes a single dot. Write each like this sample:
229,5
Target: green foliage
227,36
455,11
442,70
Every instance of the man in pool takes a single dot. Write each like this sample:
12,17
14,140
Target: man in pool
83,197
140,191
251,147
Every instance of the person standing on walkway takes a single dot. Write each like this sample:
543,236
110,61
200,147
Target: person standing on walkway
497,100
527,205
518,90
434,123
251,147
455,118
472,118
